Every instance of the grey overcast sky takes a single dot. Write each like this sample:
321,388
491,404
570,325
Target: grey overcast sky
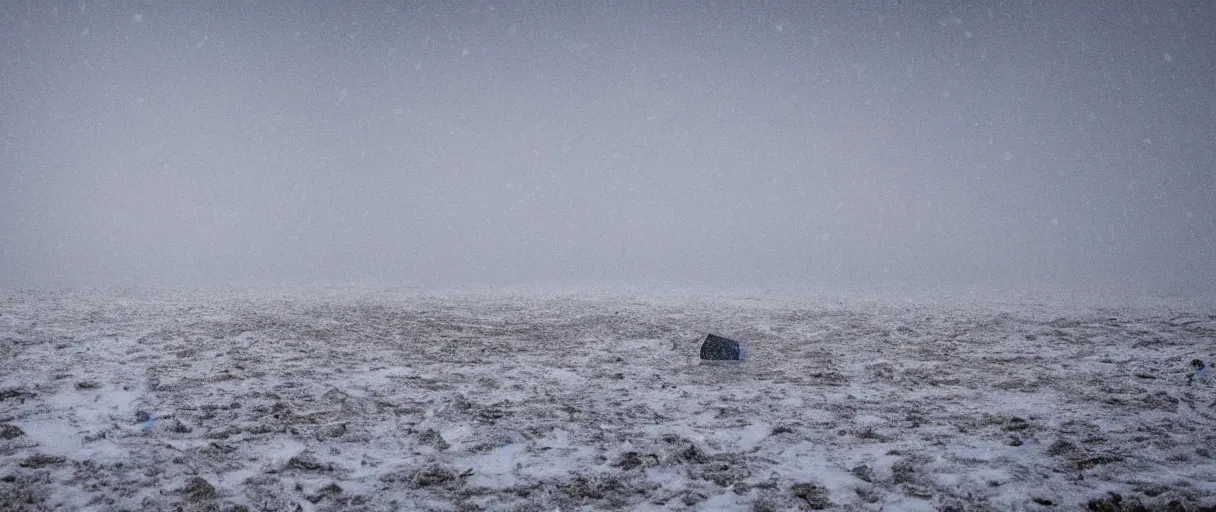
711,143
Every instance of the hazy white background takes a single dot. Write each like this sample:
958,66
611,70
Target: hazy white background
799,143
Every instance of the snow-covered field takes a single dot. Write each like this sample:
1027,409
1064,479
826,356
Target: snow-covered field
406,400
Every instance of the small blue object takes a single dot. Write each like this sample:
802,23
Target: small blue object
151,423
508,454
1202,371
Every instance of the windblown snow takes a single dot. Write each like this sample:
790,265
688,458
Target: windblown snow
383,400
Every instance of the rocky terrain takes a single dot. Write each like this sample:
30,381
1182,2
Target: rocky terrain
405,400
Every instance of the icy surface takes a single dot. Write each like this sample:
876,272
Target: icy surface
358,400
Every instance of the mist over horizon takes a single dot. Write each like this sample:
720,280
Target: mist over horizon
790,144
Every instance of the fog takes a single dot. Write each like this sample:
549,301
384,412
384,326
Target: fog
683,143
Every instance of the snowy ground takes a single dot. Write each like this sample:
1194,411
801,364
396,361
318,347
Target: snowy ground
358,400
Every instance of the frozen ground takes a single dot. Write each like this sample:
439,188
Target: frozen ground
357,400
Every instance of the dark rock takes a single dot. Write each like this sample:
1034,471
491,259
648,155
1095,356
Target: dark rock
305,461
868,433
815,496
198,489
1115,503
436,475
8,431
177,427
717,348
15,394
631,460
1155,491
225,433
692,498
868,494
334,430
864,473
723,469
693,454
493,413
1062,447
328,492
461,403
431,437
26,491
215,449
783,429
1097,460
596,487
93,438
1016,423
40,460
1043,501
905,470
